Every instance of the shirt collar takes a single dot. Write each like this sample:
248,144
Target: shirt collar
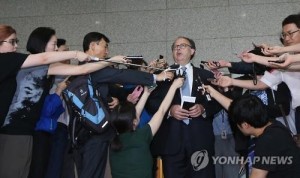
188,66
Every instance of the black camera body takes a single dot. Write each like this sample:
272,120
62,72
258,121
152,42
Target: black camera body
135,59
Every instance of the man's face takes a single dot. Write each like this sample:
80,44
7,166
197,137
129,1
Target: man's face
100,49
244,128
182,51
290,34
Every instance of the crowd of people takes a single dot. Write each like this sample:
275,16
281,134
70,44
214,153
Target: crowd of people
188,116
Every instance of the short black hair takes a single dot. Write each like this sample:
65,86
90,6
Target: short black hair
250,109
294,18
38,39
60,41
93,37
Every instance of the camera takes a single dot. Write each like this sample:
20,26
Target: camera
135,59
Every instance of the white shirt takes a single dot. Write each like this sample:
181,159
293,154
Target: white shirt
189,71
292,80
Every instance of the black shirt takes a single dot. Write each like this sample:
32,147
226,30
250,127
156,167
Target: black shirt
26,105
276,152
10,63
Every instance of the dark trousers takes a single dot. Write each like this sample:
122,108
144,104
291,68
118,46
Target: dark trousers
93,158
40,154
297,119
58,150
182,165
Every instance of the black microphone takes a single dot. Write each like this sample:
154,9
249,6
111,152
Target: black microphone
200,87
109,99
174,66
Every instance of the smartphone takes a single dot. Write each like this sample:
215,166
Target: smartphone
204,62
187,105
137,91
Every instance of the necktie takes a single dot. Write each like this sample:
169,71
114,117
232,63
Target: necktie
185,89
186,86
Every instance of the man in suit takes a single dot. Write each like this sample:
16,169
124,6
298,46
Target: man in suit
185,140
94,151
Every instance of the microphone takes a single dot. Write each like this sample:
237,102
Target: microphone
174,66
200,87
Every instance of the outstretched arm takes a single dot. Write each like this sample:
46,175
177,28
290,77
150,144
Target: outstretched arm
250,58
288,62
285,61
275,50
68,69
225,81
141,104
223,100
294,67
156,120
52,57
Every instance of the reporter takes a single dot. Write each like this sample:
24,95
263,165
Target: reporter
273,139
27,92
11,62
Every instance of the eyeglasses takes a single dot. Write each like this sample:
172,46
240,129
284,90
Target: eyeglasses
181,46
12,41
289,34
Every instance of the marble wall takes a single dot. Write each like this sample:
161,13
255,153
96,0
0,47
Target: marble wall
220,28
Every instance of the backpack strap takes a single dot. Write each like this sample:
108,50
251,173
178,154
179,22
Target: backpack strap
284,117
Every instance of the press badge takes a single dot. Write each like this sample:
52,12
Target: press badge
224,134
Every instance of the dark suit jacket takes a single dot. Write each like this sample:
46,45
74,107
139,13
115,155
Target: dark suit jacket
102,78
169,137
247,68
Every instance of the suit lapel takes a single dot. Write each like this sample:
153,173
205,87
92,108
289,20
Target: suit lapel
195,82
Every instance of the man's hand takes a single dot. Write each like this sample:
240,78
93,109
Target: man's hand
81,56
114,103
210,90
196,110
178,113
248,57
272,50
284,61
223,81
164,75
212,65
